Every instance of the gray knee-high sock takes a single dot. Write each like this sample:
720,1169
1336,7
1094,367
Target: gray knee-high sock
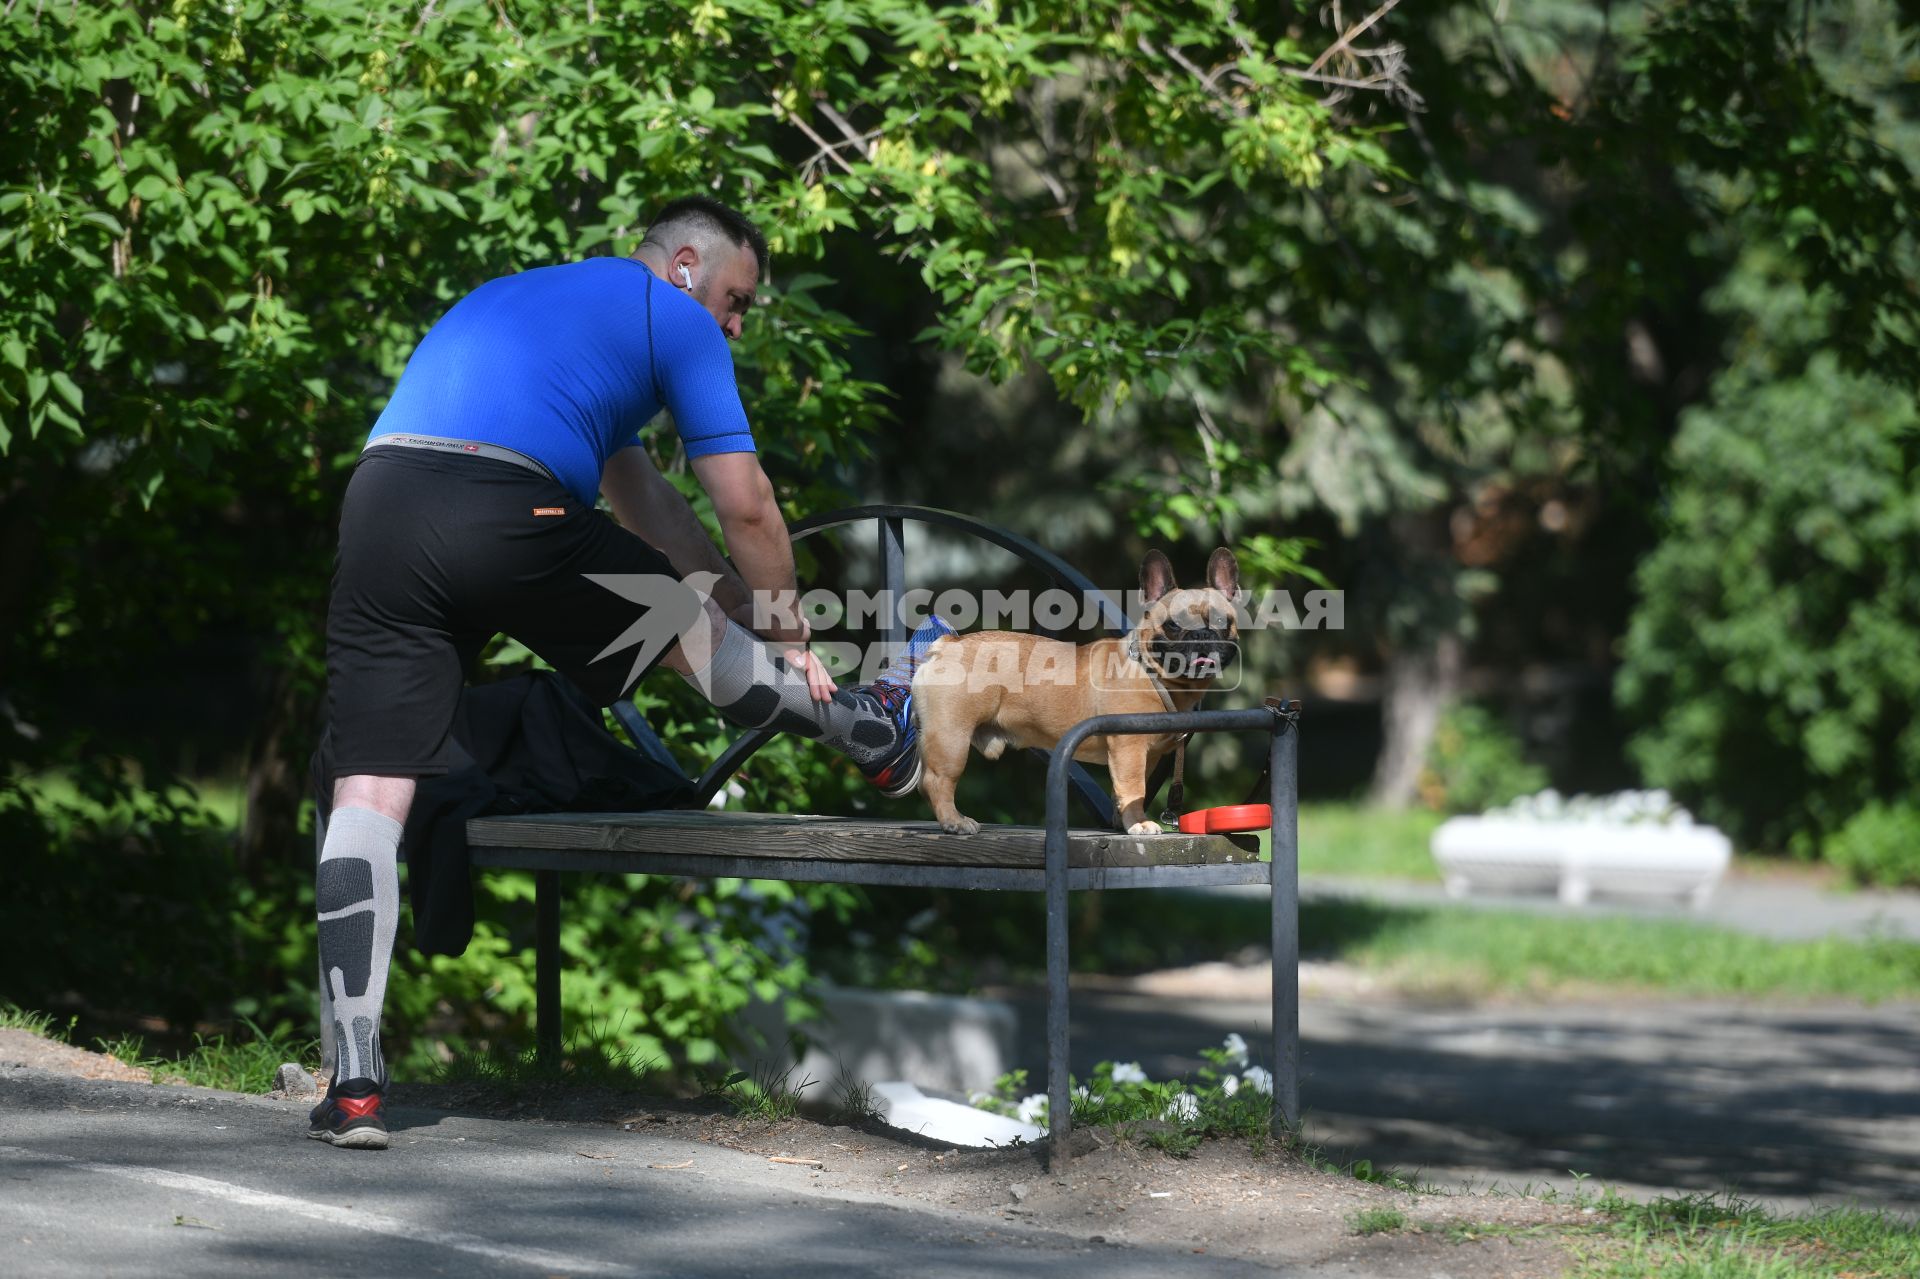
748,683
358,896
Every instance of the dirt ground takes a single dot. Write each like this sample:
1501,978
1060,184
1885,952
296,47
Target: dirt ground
22,1048
1270,1208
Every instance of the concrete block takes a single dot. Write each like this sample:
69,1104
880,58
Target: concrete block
942,1043
1580,857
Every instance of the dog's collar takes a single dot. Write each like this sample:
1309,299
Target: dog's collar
1139,659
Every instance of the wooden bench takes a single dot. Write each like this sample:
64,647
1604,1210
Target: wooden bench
1053,858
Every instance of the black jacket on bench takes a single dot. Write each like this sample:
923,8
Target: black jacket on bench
528,744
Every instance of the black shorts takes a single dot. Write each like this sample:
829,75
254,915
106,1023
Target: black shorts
438,554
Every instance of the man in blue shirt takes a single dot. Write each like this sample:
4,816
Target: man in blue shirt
472,513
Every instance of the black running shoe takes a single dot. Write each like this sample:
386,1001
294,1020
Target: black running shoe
899,773
350,1116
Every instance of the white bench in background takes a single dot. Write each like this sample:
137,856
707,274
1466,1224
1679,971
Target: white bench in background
1636,843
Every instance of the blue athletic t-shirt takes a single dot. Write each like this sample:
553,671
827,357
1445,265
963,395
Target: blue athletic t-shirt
566,364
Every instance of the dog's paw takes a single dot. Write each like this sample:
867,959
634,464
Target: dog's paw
1144,828
961,826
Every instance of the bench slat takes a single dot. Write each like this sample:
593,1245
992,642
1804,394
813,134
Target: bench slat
1030,879
800,837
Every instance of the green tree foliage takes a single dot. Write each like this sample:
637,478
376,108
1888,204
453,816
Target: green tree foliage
1476,764
1375,273
1771,657
1775,654
1880,844
227,224
1584,179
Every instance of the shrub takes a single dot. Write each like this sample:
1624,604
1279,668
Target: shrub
133,909
1880,845
125,902
1475,764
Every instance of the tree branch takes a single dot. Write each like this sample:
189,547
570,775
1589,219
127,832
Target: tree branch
840,122
1371,82
1349,37
828,150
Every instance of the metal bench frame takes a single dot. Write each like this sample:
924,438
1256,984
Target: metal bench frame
1280,721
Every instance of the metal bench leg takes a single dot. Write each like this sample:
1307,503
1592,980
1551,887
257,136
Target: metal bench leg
546,972
1284,795
1059,1105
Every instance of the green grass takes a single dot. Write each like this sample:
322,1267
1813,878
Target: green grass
1443,950
853,1100
1481,952
1717,1236
1471,952
1352,839
1448,951
1724,1237
237,1063
767,1095
14,1017
1375,1221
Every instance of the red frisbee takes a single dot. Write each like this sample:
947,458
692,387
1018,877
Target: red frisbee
1228,818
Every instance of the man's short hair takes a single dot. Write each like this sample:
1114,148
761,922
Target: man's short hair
695,218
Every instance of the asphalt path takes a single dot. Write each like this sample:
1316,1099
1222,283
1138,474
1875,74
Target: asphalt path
105,1179
1793,1106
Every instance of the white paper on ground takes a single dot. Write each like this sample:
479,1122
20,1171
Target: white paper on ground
904,1106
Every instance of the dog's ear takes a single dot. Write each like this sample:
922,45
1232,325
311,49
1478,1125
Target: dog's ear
1223,572
1156,577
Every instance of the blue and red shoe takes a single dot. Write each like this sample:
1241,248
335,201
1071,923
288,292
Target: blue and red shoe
350,1116
899,773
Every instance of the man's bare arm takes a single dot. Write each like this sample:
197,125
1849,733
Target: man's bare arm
647,505
756,533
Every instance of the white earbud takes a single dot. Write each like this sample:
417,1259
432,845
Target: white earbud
686,277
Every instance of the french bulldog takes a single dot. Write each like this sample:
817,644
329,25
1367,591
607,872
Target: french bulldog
995,689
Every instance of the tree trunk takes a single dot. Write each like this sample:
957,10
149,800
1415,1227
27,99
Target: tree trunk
1421,680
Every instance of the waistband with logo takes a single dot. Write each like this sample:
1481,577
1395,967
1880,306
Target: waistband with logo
472,448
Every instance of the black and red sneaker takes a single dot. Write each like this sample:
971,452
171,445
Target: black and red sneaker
350,1116
892,693
898,773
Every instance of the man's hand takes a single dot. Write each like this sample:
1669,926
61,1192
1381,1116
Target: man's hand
820,685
